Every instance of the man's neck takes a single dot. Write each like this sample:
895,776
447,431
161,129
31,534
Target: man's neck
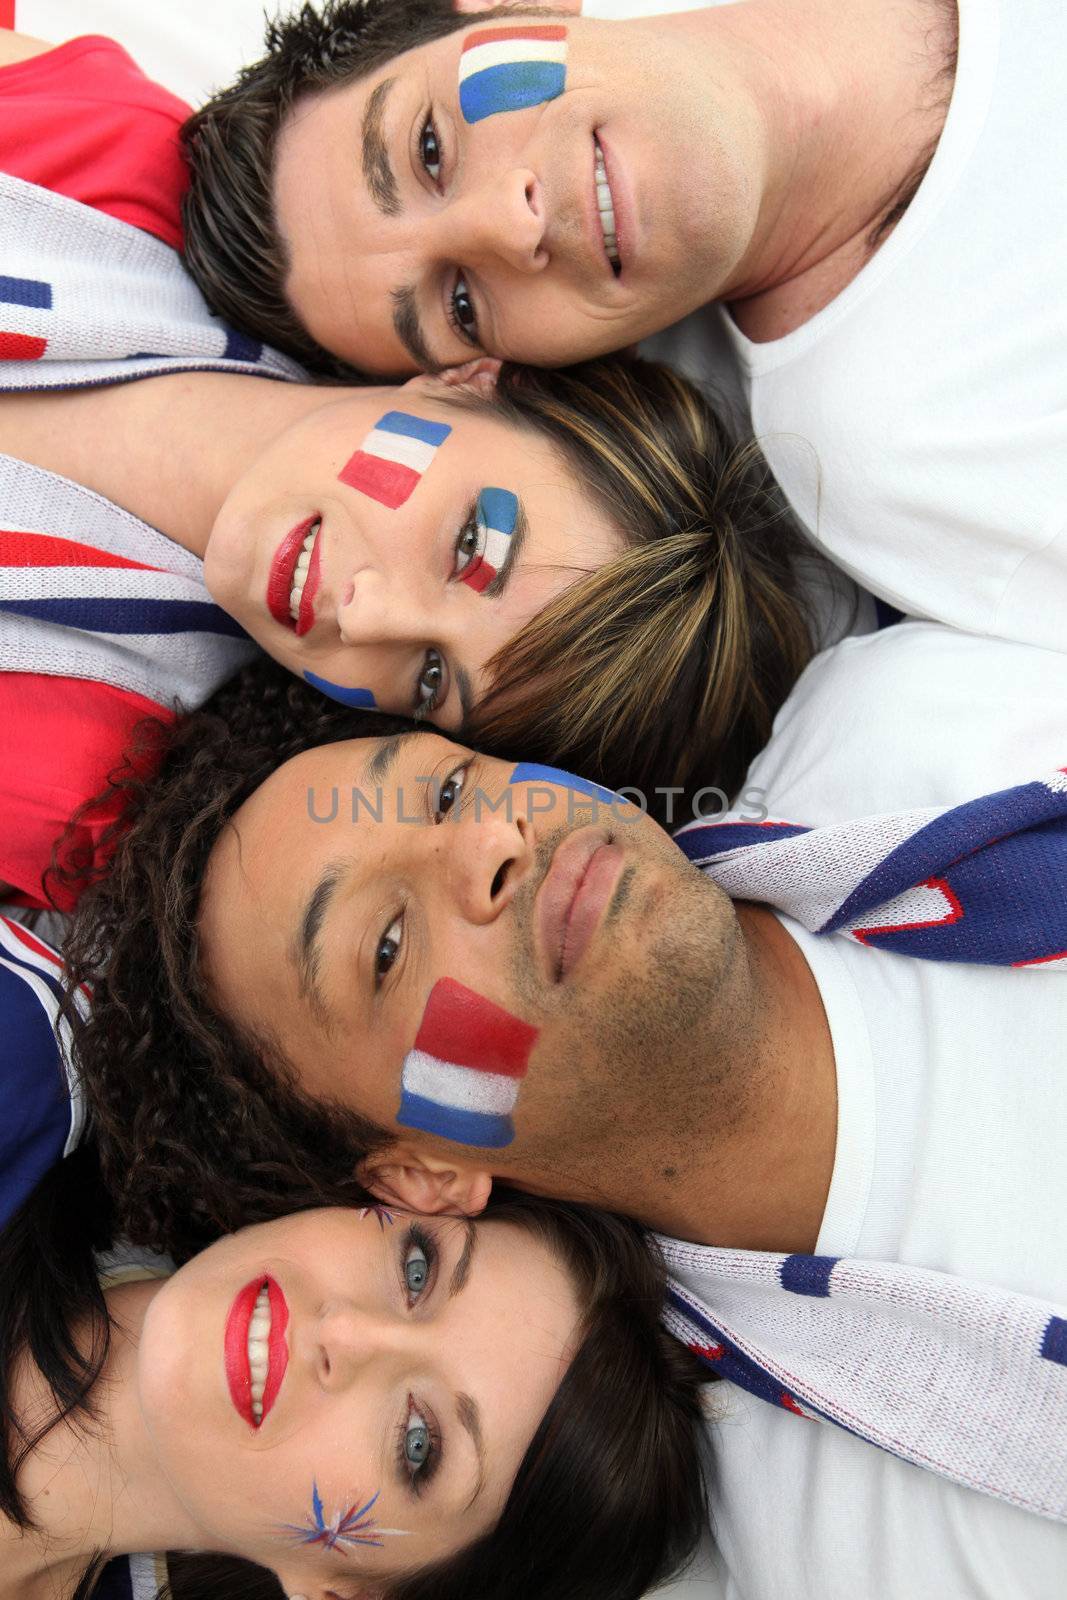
853,100
762,1184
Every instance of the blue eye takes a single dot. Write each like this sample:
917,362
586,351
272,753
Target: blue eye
420,1449
430,149
416,1269
417,1442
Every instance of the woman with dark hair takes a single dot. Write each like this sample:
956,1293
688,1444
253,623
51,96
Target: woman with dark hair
352,1402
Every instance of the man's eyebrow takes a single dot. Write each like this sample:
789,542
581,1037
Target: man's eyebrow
409,330
377,168
381,762
308,951
470,1417
496,587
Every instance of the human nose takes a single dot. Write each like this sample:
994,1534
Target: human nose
374,608
348,1338
492,856
501,219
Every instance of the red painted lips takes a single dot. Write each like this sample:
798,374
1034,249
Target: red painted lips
280,581
235,1348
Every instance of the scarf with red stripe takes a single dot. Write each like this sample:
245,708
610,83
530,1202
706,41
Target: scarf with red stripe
86,300
984,1398
88,591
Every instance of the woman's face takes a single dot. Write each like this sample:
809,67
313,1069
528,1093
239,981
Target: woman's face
389,543
343,1395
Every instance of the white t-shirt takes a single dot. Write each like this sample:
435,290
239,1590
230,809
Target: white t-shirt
952,1128
918,423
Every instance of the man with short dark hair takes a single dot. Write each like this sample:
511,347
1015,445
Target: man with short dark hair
865,197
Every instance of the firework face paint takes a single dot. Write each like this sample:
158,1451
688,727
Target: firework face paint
533,772
496,515
255,1350
461,1079
393,457
360,699
351,1526
511,69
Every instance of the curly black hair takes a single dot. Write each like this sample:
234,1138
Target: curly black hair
200,1127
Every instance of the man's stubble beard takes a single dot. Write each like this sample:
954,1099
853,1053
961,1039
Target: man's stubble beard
651,1064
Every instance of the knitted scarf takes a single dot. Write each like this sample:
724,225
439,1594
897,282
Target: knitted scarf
962,1378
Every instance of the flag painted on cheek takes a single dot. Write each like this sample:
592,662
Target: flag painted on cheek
360,699
496,515
534,772
461,1079
393,457
511,69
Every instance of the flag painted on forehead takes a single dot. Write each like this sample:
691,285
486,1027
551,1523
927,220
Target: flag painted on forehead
535,772
496,515
511,69
393,457
461,1079
358,699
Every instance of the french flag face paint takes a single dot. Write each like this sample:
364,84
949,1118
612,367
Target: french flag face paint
358,699
511,69
461,1079
534,772
496,515
393,457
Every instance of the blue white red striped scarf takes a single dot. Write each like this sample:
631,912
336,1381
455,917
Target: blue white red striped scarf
983,882
86,300
985,1397
88,591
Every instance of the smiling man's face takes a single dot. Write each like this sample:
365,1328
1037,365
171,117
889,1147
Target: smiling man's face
423,228
477,958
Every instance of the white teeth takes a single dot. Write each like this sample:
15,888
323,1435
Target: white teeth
259,1351
606,209
300,572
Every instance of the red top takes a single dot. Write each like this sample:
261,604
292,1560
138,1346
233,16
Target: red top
62,738
83,120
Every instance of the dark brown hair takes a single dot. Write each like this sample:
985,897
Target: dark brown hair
608,1500
232,245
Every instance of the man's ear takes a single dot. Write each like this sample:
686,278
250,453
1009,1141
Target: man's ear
479,375
414,1179
573,8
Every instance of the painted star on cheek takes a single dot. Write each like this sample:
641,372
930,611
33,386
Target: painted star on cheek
380,1212
354,1526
